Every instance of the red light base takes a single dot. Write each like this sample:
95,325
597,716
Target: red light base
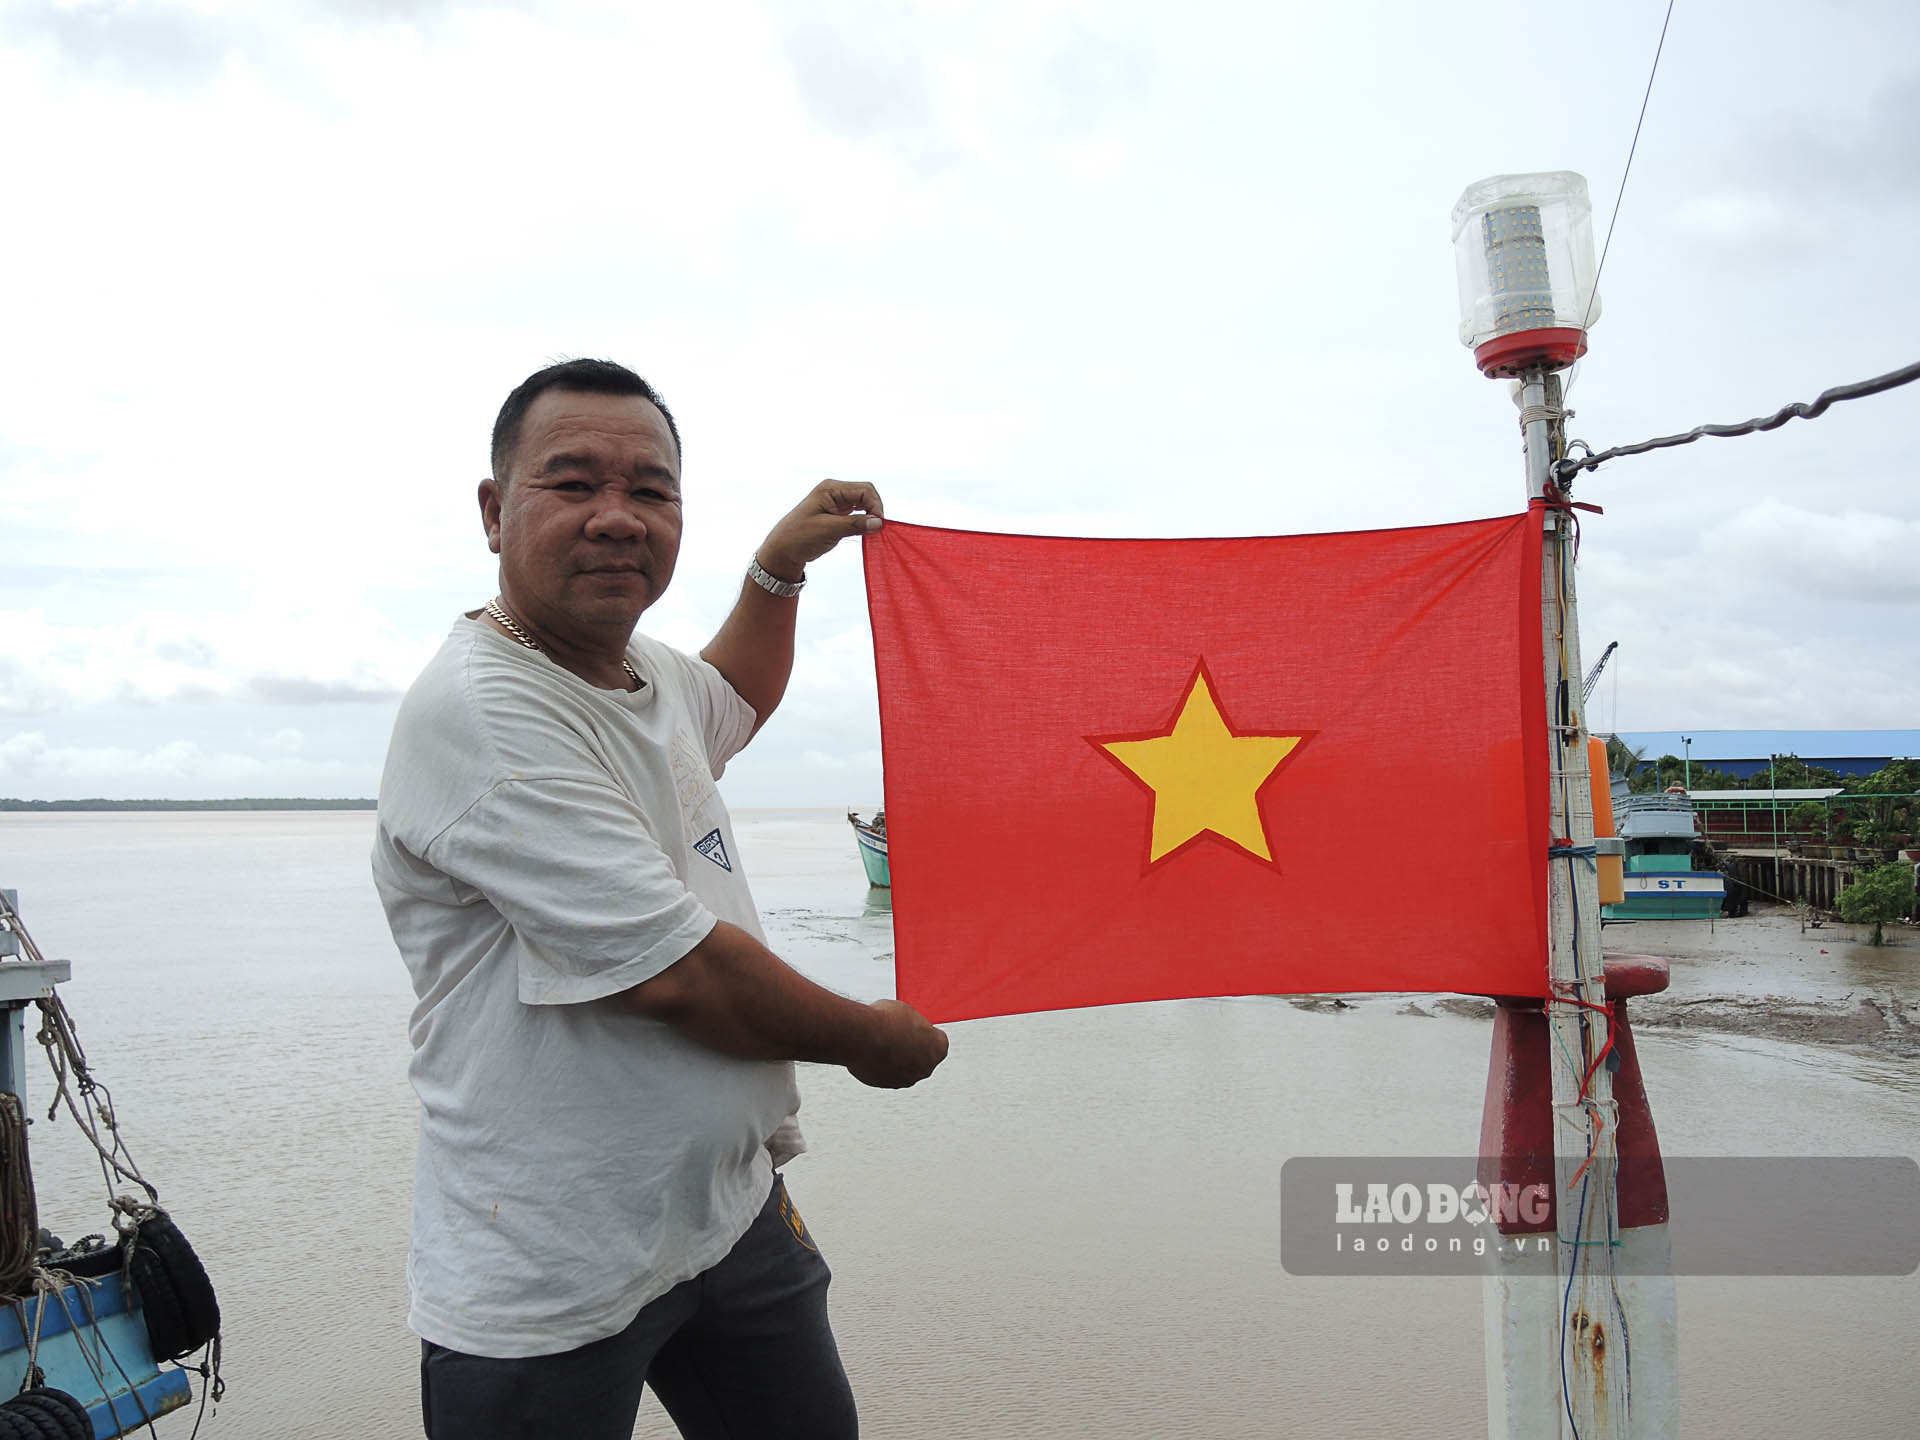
1513,355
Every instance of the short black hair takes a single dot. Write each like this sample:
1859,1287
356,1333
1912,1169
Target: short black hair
594,377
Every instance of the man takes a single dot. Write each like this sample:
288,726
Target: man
603,1045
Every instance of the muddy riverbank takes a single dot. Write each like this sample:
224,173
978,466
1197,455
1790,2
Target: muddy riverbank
1766,974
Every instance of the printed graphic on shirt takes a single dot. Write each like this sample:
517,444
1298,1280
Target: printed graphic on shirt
715,849
701,811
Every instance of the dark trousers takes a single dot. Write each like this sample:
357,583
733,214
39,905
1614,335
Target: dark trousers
740,1352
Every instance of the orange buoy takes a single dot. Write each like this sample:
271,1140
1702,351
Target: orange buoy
1613,883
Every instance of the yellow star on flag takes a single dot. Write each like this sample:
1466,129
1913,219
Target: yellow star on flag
1205,777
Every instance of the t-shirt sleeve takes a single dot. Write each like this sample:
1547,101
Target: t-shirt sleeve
575,870
726,720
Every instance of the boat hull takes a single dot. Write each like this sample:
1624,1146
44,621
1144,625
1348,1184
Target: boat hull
1670,895
873,855
79,1324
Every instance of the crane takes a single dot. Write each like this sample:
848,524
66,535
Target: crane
1593,675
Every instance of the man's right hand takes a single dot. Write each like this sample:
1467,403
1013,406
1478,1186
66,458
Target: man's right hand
904,1050
734,995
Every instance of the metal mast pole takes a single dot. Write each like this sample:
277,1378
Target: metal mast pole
1592,1342
1773,797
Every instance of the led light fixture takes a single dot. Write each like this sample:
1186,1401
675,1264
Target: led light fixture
1523,250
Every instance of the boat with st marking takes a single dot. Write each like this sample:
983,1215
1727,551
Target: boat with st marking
1666,876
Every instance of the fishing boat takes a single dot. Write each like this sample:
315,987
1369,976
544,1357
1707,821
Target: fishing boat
871,835
1666,876
96,1337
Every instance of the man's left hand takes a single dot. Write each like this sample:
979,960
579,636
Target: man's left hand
833,510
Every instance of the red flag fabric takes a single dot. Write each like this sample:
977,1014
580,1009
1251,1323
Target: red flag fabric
1122,770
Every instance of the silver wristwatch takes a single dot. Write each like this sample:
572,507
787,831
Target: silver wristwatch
773,584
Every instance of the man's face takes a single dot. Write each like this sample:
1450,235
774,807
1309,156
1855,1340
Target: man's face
588,528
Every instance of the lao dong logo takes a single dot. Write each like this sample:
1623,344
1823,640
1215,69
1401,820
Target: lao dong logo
1406,1206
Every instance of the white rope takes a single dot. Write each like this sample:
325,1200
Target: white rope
21,1241
32,1333
93,1111
61,1040
93,1361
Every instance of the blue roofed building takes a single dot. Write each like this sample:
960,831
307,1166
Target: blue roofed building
1745,753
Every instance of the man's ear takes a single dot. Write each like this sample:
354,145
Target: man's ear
490,512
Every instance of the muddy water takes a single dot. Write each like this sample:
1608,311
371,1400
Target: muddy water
1073,1230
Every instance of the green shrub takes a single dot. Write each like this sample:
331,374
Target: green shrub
1883,893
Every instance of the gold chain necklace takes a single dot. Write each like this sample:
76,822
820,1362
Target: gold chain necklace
512,627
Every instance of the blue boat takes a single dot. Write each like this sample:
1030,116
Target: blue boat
871,835
89,1333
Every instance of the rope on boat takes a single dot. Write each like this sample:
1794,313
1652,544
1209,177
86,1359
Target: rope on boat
93,1113
20,1237
58,1283
30,1329
212,1387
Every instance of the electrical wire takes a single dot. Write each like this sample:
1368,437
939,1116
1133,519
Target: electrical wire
1565,470
1595,1185
1566,1314
1626,171
1561,718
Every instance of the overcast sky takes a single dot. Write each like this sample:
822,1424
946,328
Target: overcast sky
1100,268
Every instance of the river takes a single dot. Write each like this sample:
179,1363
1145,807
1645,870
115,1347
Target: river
1072,1229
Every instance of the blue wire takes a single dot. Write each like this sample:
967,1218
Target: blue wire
1619,1305
1586,1037
1566,1304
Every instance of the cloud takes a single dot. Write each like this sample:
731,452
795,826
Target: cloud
1854,556
286,741
1768,225
143,44
25,689
163,659
181,47
861,69
299,690
1679,669
1776,617
1090,76
940,85
190,651
864,761
1894,123
409,11
1066,268
1805,156
30,761
1797,183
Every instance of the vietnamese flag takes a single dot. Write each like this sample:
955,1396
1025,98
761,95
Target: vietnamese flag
1123,770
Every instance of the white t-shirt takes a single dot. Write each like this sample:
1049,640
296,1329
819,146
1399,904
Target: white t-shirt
542,845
